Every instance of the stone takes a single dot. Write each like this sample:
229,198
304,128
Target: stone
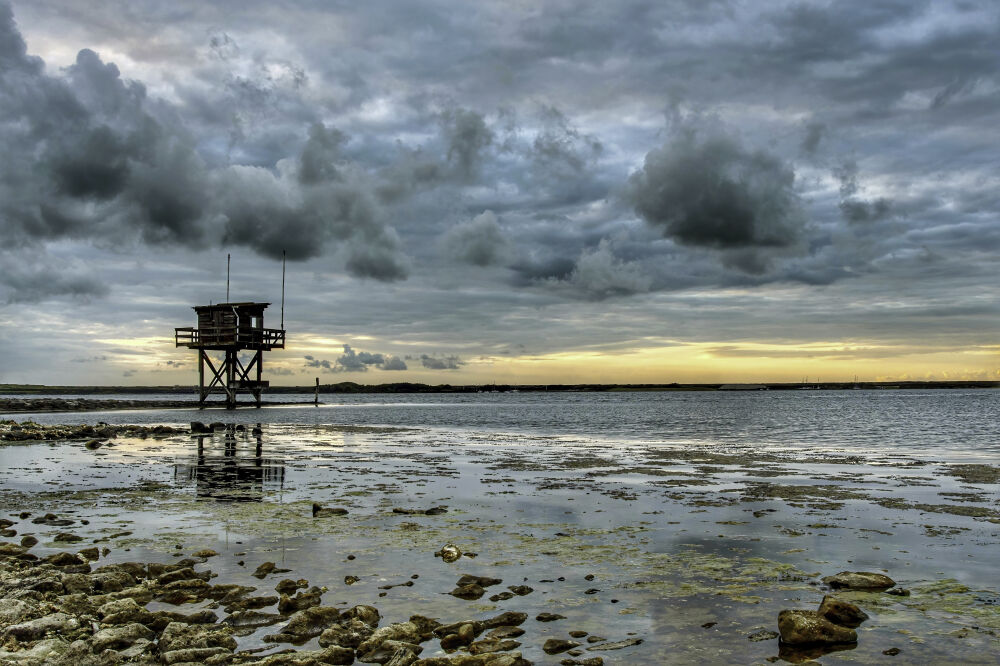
13,611
521,590
549,617
324,512
287,585
367,614
205,553
120,637
192,655
308,623
349,634
483,581
32,630
405,632
591,661
761,635
90,554
264,569
449,553
557,645
42,652
841,612
469,592
859,580
28,541
301,601
491,645
387,651
93,444
801,627
577,634
506,632
179,636
124,611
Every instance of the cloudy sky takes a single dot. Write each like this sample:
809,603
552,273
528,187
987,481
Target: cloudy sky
504,191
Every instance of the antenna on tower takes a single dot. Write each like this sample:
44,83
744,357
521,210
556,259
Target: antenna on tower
282,289
227,277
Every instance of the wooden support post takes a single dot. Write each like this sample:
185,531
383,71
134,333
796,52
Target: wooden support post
316,397
260,368
201,379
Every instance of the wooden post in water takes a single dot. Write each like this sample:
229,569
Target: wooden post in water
316,396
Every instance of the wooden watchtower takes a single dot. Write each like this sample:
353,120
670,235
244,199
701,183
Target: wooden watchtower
231,328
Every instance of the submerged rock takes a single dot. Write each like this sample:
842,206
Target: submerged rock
841,612
449,553
557,645
859,580
803,627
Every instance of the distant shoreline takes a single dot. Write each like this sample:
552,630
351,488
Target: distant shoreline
405,387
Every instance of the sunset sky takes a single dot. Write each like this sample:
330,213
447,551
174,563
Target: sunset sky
508,191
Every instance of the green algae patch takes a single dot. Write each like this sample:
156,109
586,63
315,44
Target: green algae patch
985,474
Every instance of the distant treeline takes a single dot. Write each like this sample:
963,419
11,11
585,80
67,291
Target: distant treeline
409,387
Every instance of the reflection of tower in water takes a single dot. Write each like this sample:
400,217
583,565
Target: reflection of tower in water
232,474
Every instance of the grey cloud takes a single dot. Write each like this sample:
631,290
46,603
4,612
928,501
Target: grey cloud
858,211
394,363
599,274
712,192
813,135
441,362
479,241
467,136
353,360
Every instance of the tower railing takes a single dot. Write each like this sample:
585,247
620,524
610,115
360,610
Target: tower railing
224,336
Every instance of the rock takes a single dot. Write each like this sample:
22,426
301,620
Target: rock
349,634
197,427
592,661
405,632
351,580
287,585
469,592
801,627
94,444
577,634
510,618
306,624
521,590
389,650
511,632
491,645
264,569
90,554
178,636
859,580
502,596
323,512
301,601
549,617
12,611
449,553
898,592
483,581
557,645
891,652
841,612
250,603
192,655
617,645
28,541
205,553
367,614
32,630
124,611
120,637
761,635
42,652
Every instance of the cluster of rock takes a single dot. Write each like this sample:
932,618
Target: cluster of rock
834,622
88,404
30,431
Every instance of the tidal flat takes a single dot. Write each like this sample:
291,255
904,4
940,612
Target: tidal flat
643,552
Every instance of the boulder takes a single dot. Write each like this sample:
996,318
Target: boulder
841,612
32,630
117,638
859,580
802,627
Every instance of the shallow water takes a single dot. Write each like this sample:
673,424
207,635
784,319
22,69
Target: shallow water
696,508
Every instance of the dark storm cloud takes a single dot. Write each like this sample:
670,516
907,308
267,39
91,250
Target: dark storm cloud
712,192
479,242
467,137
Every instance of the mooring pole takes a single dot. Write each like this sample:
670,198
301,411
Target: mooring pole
316,395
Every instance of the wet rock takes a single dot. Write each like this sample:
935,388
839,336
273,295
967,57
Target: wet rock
52,520
331,655
521,590
403,656
405,632
251,603
33,630
468,592
425,626
898,592
112,581
301,601
502,596
549,617
367,614
389,650
264,569
324,512
557,645
449,553
591,661
506,632
306,624
117,638
351,580
199,428
801,627
161,619
841,612
204,553
891,652
42,652
761,635
13,611
77,584
178,636
510,618
94,444
491,645
183,574
90,554
124,611
349,634
483,581
63,559
287,585
617,645
28,541
13,550
5,523
859,580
